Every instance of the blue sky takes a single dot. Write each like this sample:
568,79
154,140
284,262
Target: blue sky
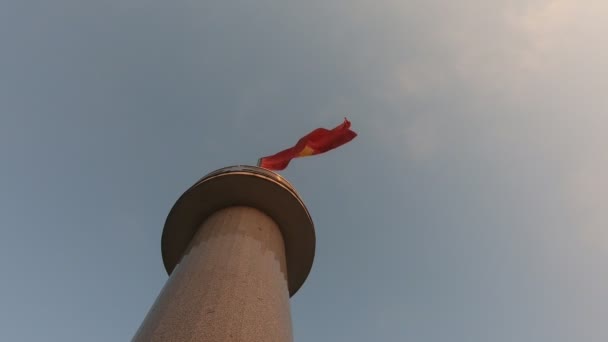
472,207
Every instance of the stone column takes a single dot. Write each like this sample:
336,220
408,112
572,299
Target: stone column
236,246
231,285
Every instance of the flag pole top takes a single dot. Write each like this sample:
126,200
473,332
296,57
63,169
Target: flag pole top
243,185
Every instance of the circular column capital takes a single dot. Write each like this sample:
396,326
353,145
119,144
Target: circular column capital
251,186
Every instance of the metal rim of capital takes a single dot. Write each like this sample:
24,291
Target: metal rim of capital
244,185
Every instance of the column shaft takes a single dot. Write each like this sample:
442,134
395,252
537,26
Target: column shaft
231,285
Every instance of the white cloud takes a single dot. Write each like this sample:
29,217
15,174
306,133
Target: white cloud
528,78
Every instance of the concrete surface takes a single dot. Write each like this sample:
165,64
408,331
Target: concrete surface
230,285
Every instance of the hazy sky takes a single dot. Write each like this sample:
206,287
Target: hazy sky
472,207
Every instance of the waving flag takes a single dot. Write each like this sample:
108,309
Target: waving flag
318,141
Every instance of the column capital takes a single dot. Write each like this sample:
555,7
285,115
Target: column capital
244,185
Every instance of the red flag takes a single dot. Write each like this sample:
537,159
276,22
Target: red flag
318,141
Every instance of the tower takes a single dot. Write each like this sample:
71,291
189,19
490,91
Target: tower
236,245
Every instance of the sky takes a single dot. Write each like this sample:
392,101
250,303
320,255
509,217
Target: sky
472,207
